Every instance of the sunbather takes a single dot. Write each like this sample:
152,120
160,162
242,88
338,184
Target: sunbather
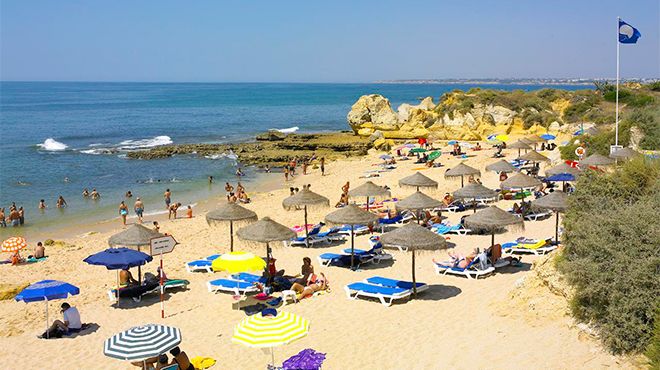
181,359
319,283
126,279
70,323
448,199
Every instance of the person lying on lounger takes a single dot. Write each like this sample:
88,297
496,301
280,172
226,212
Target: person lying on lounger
126,278
315,284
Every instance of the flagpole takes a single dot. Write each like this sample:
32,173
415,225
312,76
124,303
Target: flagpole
616,123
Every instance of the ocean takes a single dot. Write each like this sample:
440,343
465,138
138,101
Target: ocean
58,138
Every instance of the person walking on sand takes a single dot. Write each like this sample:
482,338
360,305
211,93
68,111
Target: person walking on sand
168,198
228,189
172,210
304,167
123,212
139,209
61,203
286,172
322,166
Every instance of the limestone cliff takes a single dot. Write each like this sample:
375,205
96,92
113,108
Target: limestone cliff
472,115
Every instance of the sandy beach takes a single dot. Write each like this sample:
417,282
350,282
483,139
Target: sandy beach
457,323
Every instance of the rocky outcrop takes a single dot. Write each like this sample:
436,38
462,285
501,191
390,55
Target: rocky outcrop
271,135
271,152
449,119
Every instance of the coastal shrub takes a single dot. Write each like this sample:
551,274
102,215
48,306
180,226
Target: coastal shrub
576,111
610,256
610,95
653,350
629,98
654,86
648,121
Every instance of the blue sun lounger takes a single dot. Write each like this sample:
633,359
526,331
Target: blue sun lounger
313,238
442,229
393,283
386,295
203,265
357,230
361,256
228,285
250,278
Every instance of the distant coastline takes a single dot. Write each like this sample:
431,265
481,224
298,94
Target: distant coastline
513,81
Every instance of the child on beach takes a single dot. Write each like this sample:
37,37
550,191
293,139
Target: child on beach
189,212
156,226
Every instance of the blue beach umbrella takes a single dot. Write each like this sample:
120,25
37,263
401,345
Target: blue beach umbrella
118,259
548,137
385,157
452,142
47,290
561,177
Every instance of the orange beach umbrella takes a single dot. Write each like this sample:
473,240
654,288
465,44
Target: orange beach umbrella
14,244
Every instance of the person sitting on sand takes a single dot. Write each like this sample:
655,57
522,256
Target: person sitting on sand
306,270
315,284
172,211
471,180
180,358
16,258
39,251
126,279
243,197
343,200
70,324
189,212
346,187
232,198
156,226
448,199
478,147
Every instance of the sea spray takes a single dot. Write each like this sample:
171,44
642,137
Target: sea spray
52,145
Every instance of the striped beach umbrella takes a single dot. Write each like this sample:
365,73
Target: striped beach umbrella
270,330
142,342
234,262
13,244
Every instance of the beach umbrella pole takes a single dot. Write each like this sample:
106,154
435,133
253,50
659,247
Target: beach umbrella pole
306,231
462,181
492,238
413,274
352,245
47,331
117,288
231,236
272,356
557,228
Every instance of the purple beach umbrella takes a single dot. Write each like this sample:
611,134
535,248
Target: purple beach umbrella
307,359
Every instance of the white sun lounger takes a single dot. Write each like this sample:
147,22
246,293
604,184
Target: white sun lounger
203,265
516,248
535,216
230,285
472,271
386,295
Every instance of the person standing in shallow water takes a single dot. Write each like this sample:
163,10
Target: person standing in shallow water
139,209
168,198
123,212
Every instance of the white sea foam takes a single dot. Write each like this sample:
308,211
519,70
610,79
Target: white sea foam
230,155
288,130
52,145
144,143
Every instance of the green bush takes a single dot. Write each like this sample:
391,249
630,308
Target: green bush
654,86
653,350
648,120
612,239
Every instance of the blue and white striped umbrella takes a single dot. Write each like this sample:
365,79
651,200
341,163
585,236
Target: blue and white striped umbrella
142,342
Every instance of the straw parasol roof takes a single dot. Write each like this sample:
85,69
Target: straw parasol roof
472,191
413,236
230,212
417,201
596,160
462,170
534,139
265,231
592,131
556,201
501,166
534,156
493,218
418,180
519,181
369,189
562,168
520,144
305,197
351,215
624,153
136,235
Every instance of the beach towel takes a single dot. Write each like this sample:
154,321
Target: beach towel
202,363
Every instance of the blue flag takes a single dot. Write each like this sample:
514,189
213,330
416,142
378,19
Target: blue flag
627,33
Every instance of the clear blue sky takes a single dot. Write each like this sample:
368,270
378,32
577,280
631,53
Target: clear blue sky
322,41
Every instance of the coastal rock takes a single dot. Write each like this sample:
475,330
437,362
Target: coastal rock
376,135
404,110
374,109
271,135
383,144
636,136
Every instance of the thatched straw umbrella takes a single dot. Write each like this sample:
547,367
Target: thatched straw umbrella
137,236
493,219
556,201
624,153
418,180
534,156
413,237
520,181
501,166
474,191
462,170
520,144
534,139
351,215
369,189
596,160
561,169
305,198
231,212
417,202
265,231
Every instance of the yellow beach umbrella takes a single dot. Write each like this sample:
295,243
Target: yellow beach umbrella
13,244
270,329
502,137
234,262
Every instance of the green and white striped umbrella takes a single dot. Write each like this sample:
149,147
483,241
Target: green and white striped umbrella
260,331
142,342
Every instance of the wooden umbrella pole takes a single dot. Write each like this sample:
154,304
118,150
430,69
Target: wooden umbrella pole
413,274
352,245
557,228
492,239
231,236
462,181
306,231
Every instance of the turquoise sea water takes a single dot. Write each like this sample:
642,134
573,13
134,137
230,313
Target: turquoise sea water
58,138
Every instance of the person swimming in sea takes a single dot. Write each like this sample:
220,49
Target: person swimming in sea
239,172
85,193
42,204
61,203
95,194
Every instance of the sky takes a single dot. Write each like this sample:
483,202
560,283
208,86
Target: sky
323,41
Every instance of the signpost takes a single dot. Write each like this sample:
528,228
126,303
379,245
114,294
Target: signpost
160,245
